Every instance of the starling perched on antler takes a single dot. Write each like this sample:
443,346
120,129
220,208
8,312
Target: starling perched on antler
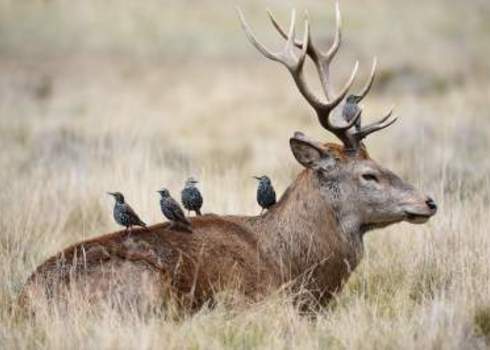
172,210
191,197
124,214
266,196
351,110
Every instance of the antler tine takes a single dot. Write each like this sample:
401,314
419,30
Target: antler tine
322,60
338,33
281,31
292,31
379,125
306,39
296,69
289,59
297,43
293,63
334,102
369,82
251,37
311,49
288,56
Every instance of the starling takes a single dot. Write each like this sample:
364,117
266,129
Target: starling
266,196
172,210
191,197
124,214
351,109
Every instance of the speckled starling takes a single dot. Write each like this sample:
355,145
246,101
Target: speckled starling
351,109
191,197
124,214
266,196
172,210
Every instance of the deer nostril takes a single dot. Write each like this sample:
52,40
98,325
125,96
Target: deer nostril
431,204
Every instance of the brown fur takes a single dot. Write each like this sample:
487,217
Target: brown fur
298,245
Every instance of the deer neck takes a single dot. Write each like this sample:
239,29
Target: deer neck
304,230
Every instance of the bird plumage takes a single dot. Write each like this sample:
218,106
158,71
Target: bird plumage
124,215
351,109
266,195
191,196
172,210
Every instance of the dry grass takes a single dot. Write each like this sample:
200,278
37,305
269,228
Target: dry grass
120,98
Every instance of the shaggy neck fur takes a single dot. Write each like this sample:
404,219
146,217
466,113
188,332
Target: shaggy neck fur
309,236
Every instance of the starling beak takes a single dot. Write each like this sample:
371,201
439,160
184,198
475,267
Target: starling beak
117,195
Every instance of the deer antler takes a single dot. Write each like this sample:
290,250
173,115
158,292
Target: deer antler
351,139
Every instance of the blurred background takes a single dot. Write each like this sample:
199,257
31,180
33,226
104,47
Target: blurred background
133,95
106,95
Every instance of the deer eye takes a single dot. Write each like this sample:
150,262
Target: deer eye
370,177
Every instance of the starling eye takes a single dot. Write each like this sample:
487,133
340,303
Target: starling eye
370,177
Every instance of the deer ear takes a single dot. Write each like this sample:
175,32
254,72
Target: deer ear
309,154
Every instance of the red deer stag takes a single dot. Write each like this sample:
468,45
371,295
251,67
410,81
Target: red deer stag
311,240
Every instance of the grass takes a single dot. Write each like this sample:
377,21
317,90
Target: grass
133,98
482,322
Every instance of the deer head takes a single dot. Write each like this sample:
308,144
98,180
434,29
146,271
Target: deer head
363,194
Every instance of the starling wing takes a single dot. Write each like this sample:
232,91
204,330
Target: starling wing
179,213
172,210
135,219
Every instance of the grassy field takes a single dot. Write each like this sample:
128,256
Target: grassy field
100,96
